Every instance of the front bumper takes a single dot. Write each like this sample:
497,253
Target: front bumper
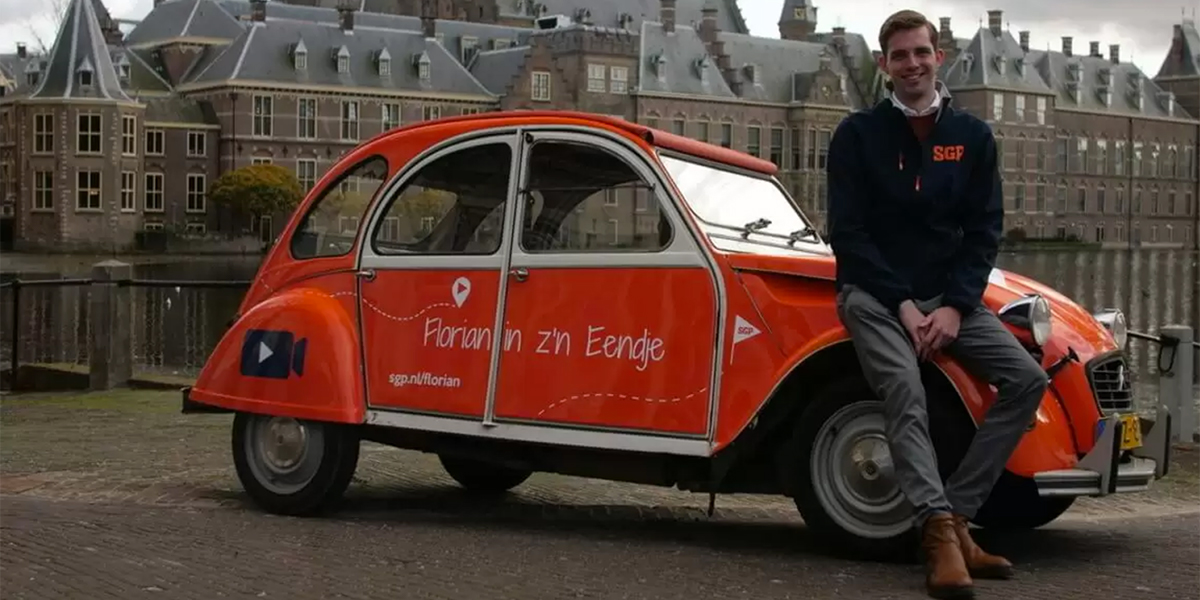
1107,470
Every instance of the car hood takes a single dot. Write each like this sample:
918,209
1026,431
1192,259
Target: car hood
1073,325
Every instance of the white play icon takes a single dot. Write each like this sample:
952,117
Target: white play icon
264,352
460,290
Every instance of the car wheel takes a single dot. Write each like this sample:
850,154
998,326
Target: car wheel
839,470
483,477
1015,504
293,467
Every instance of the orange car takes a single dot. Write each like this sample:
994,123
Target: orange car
565,292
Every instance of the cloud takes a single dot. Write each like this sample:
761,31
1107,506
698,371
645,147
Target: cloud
1142,29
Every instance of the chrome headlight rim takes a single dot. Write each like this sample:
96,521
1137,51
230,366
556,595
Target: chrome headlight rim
1113,320
1032,313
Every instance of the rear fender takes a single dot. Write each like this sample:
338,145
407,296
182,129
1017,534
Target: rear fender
294,354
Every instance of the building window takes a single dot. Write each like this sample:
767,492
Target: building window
1082,206
196,144
306,173
619,77
306,118
350,120
155,142
128,189
154,192
754,142
1060,154
87,190
1020,113
391,116
88,138
797,148
777,146
1118,159
1041,111
727,135
260,160
43,133
196,193
540,83
264,110
997,107
1101,162
43,190
431,112
129,135
597,78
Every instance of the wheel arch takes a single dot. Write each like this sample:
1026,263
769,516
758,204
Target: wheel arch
312,374
836,364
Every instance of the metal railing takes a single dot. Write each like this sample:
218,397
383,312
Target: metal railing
172,328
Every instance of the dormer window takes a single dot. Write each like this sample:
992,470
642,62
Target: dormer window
968,60
421,62
85,72
1022,65
32,71
300,56
123,70
343,60
384,60
1001,64
751,73
702,68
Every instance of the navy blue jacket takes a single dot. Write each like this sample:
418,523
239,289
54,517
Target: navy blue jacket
911,220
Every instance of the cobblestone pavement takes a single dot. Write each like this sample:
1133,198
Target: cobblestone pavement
119,496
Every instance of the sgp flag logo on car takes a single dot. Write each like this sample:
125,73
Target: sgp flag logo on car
742,331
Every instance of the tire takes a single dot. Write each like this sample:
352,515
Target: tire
293,467
1015,504
856,506
483,477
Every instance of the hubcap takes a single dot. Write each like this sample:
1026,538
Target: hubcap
283,453
853,474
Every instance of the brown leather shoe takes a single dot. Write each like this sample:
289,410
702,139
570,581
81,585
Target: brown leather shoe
980,563
946,575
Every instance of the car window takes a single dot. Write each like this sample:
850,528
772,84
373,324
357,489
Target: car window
583,198
331,225
453,205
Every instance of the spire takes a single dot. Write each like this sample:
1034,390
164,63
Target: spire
798,20
80,65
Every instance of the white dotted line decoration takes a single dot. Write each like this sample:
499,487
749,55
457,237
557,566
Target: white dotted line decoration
675,400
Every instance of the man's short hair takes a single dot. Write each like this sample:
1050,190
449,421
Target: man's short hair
903,21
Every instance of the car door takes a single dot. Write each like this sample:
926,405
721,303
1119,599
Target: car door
615,304
429,280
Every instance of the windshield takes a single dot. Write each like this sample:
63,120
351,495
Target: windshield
743,213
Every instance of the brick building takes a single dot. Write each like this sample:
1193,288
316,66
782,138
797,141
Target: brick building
108,134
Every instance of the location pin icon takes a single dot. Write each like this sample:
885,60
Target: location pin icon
460,290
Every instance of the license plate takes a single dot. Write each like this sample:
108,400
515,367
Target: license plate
1131,433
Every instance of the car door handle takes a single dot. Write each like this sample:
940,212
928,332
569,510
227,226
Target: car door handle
368,274
520,273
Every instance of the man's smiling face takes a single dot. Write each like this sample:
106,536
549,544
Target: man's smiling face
912,62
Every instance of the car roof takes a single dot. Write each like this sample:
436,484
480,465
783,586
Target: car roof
652,136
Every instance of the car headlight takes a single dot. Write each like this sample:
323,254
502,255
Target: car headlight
1114,321
1031,313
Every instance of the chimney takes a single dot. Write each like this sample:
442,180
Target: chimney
21,51
429,19
1094,49
1025,41
1114,53
1066,47
708,25
258,10
346,17
839,37
668,16
994,19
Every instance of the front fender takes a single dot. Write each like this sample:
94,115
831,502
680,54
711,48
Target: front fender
294,354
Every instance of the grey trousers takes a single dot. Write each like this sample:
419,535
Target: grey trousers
985,348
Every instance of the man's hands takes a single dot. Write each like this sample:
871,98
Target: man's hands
930,333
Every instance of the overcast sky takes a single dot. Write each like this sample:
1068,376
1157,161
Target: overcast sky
1141,27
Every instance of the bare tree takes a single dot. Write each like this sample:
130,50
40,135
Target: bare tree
55,11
